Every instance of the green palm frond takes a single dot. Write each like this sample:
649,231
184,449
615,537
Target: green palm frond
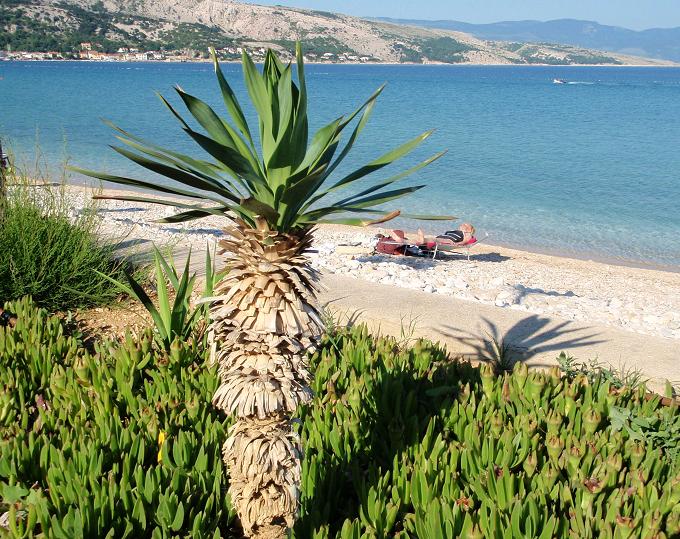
286,178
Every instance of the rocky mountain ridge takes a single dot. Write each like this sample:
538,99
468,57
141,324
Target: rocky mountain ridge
663,43
226,23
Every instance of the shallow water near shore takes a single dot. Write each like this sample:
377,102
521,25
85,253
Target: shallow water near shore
589,170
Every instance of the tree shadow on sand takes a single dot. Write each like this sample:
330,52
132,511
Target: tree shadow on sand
528,337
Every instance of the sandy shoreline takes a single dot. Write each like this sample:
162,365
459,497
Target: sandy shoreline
644,301
487,242
638,300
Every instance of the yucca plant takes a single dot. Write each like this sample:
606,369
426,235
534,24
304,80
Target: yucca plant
264,314
177,320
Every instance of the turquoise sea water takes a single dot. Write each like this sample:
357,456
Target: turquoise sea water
590,169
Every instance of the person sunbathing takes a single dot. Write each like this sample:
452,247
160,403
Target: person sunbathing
419,244
462,236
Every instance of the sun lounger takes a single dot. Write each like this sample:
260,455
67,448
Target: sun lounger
447,245
442,243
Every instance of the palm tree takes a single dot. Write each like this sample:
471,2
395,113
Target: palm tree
264,315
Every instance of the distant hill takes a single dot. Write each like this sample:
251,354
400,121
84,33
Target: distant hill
193,25
654,43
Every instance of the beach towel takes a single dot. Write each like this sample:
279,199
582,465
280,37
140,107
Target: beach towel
387,245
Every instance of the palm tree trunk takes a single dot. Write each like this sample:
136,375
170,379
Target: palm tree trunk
264,319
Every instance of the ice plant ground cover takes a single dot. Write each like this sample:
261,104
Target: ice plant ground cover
400,442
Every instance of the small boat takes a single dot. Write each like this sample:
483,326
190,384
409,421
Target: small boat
559,81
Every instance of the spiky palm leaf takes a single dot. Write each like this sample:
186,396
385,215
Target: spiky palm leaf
288,179
264,313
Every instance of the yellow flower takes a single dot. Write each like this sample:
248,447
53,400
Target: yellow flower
161,439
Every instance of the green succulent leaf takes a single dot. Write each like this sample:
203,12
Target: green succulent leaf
231,102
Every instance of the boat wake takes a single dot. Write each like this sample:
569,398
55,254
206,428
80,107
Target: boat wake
572,82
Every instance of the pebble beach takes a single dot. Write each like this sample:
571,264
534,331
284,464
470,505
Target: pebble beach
645,301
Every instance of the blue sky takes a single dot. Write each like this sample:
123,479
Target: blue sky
636,14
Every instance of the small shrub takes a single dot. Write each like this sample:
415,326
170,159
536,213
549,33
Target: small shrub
51,257
594,370
500,353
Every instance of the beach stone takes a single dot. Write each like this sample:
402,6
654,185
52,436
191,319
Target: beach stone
497,281
636,323
460,283
430,289
507,296
326,248
615,304
353,264
503,299
403,274
651,319
485,296
671,320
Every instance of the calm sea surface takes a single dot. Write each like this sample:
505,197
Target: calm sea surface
590,168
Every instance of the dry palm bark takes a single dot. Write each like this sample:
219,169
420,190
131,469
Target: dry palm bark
264,320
